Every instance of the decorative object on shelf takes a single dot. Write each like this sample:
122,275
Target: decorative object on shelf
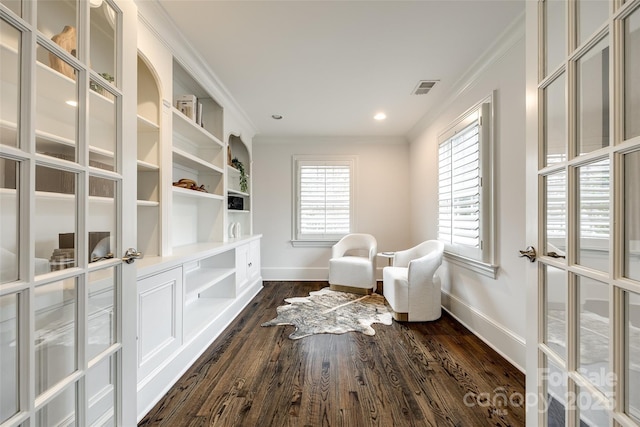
188,105
332,312
235,203
66,40
62,258
243,176
235,230
99,244
99,89
190,185
229,158
199,115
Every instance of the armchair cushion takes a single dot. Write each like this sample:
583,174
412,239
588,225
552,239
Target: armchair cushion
353,263
411,285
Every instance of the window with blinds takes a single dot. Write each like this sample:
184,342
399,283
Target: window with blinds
465,219
324,198
459,188
594,212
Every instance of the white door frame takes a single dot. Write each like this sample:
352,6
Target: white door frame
127,321
534,391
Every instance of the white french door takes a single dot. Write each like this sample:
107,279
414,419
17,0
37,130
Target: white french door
67,214
583,174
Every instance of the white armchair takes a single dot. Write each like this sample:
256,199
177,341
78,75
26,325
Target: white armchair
411,286
352,267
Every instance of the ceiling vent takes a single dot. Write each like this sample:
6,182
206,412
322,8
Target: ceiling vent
424,86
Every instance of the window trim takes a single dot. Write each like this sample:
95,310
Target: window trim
298,240
481,260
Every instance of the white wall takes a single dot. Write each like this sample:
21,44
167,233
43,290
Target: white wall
397,187
493,308
382,199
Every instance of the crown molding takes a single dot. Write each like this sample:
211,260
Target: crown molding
514,33
157,20
344,139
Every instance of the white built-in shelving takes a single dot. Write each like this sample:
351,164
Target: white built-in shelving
148,162
197,276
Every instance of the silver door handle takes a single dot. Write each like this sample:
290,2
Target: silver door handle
131,255
555,255
530,253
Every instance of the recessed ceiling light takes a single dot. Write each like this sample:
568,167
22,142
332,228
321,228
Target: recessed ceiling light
380,116
72,103
276,116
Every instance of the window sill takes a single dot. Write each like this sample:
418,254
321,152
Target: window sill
489,270
313,243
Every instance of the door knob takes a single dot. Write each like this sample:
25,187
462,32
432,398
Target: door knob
530,253
131,255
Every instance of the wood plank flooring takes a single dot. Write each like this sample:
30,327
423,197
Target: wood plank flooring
408,374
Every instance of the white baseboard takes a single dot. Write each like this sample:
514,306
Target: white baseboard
152,388
305,274
295,274
505,342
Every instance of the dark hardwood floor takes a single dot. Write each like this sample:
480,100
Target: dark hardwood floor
408,374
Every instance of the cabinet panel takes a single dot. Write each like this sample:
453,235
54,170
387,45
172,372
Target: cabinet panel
159,319
254,260
242,255
247,263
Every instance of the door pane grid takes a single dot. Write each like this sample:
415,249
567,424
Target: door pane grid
43,324
603,263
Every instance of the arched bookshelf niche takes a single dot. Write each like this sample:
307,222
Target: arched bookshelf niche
149,161
239,214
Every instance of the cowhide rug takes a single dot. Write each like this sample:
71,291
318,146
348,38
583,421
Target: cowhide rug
331,312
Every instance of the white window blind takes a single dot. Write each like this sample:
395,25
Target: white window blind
459,188
594,196
594,200
324,199
557,209
466,223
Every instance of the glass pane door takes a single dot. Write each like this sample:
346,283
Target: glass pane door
588,166
62,190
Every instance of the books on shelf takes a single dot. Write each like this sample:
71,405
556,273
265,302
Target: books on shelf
199,115
187,105
190,107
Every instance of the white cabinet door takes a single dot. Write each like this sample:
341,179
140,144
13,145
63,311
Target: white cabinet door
159,319
253,262
242,278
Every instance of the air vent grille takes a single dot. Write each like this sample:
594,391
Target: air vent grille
424,86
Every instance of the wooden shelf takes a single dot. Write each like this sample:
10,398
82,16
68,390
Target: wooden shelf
189,130
48,142
193,162
146,166
179,191
239,193
146,125
232,170
202,279
147,203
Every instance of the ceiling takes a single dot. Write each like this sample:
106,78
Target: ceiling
329,66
